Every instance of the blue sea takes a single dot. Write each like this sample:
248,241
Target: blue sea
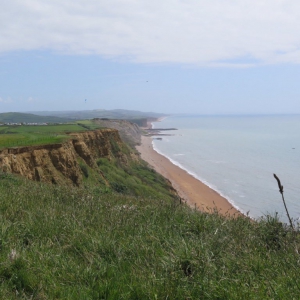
237,156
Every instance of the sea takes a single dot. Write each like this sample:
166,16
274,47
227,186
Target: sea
237,156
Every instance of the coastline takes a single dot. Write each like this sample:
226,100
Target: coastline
194,192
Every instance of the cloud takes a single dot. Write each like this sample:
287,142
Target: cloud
31,100
197,32
5,101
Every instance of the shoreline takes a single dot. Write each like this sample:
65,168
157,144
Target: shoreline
193,191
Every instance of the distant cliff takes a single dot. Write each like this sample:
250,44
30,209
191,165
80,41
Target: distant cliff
59,163
130,132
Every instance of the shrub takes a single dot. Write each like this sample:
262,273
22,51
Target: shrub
119,187
84,170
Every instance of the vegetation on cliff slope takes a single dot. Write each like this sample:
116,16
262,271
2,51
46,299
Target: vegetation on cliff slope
94,243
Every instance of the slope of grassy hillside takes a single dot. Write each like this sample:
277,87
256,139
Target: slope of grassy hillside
14,117
94,243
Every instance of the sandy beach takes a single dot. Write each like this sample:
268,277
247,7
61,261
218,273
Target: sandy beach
190,189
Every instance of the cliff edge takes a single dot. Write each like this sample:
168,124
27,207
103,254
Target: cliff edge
60,163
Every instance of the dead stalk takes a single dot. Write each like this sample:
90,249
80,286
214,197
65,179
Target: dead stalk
281,192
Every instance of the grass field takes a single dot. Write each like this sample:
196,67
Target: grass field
21,135
91,243
88,124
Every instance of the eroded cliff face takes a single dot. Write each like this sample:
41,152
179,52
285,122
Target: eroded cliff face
130,132
58,163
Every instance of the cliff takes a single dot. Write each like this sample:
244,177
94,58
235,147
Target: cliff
60,163
130,132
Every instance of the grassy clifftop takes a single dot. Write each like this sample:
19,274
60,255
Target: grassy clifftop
91,243
29,135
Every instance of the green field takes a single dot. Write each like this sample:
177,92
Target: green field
95,243
88,124
25,135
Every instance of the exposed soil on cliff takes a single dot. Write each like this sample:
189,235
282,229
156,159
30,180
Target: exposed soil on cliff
129,132
60,163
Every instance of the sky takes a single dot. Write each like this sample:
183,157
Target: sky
170,56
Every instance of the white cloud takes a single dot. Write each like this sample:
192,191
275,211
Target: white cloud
201,32
31,100
5,101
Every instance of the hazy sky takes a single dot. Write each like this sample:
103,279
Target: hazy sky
172,56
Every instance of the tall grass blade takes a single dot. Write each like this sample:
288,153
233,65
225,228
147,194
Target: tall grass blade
281,192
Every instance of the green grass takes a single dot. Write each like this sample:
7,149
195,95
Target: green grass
17,140
15,136
91,243
88,124
134,179
40,129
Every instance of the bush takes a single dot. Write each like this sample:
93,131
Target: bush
119,187
84,170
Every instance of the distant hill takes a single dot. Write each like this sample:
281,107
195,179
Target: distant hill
15,117
100,113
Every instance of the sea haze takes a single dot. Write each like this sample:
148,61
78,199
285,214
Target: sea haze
237,156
